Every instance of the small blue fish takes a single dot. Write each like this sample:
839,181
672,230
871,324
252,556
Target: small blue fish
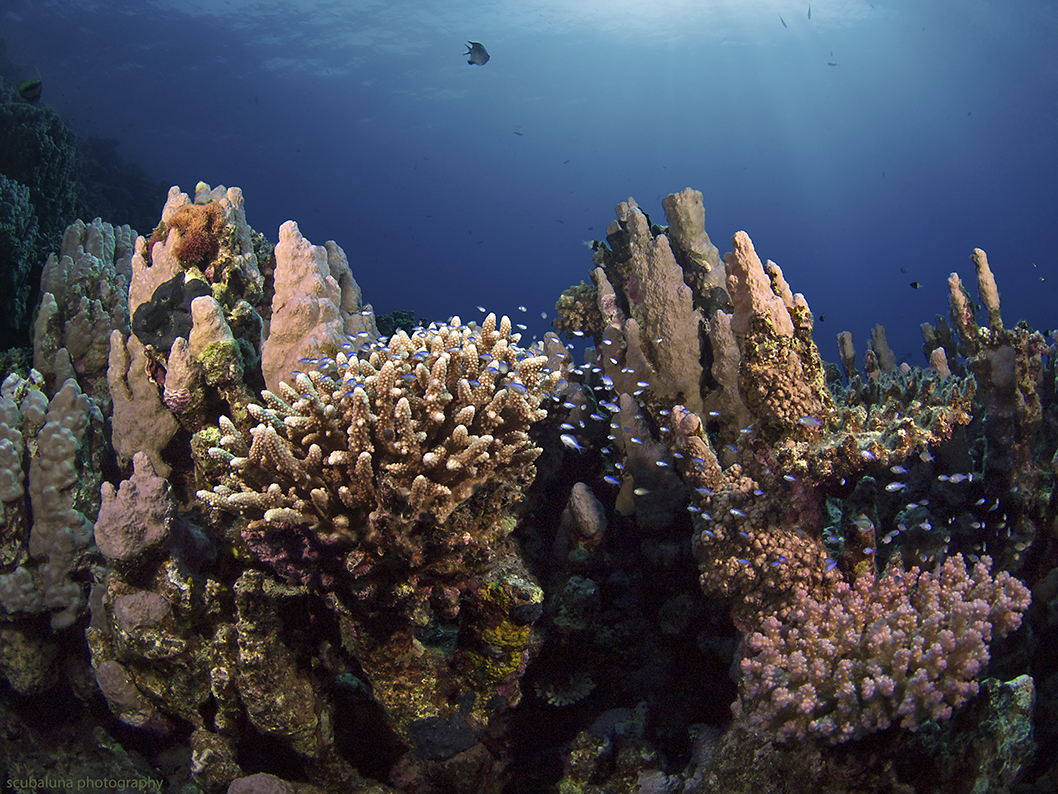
893,487
898,470
737,513
571,442
609,479
810,422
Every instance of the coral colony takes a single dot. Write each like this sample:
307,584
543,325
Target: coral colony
450,559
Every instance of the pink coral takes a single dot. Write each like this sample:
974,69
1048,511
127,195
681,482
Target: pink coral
906,647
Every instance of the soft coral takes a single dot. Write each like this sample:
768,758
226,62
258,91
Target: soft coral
199,226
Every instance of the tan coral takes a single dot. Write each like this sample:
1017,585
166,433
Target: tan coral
419,424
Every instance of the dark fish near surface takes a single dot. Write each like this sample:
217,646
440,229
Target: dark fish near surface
809,11
783,21
916,284
478,54
30,90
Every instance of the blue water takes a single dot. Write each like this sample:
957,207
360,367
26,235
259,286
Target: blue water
451,185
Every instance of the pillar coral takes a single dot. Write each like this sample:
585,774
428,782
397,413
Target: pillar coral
781,377
46,540
664,309
316,305
685,212
83,297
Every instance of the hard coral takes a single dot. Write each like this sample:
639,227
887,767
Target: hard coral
199,226
416,428
907,647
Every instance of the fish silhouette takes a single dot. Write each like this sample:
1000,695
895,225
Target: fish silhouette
478,54
30,89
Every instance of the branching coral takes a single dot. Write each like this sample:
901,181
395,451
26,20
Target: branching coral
393,472
907,648
413,428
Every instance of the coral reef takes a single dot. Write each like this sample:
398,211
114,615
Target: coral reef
397,468
18,249
318,560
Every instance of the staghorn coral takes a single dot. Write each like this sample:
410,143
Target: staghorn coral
410,429
906,647
393,471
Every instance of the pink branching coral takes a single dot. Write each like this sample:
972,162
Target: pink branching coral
906,647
